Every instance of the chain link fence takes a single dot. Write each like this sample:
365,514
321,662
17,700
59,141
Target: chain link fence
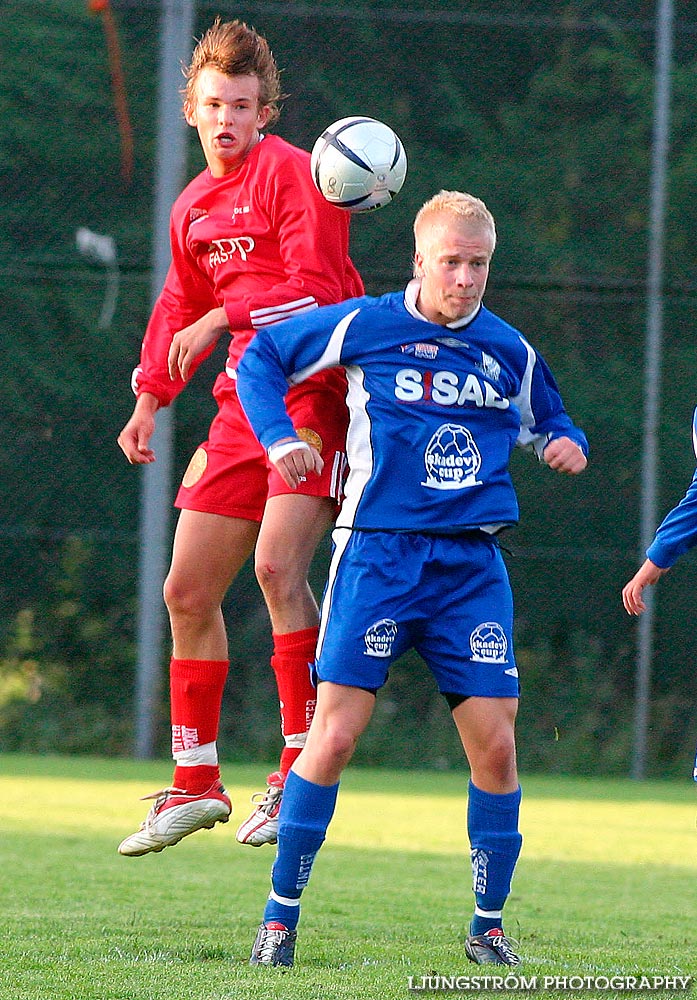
547,116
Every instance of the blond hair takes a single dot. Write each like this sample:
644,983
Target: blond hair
457,203
235,50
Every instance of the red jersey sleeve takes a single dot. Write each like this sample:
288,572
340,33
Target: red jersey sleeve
187,295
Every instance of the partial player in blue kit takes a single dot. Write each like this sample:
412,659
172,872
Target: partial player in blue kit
675,535
440,391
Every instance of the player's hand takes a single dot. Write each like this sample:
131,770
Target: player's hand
646,575
294,460
134,439
564,455
188,343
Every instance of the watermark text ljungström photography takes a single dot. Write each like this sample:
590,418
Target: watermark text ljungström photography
513,983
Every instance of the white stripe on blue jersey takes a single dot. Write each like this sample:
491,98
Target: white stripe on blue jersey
524,403
330,357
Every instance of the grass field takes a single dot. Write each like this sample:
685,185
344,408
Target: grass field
606,886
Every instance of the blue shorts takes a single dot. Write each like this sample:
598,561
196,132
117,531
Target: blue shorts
446,596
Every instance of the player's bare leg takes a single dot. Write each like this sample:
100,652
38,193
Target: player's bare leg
343,712
208,552
291,530
486,727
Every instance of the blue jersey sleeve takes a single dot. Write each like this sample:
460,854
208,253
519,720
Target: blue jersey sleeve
287,354
543,417
261,387
677,532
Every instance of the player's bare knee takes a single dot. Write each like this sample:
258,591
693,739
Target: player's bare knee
501,761
337,743
185,602
278,580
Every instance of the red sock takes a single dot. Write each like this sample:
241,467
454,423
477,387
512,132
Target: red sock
292,661
196,694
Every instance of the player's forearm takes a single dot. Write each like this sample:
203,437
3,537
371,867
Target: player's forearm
147,404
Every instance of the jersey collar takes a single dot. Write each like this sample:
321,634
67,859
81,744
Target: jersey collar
411,295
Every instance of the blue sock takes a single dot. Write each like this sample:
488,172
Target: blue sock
306,811
492,824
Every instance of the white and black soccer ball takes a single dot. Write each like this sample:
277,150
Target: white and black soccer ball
359,164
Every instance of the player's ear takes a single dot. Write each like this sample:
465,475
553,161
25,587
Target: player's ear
190,114
418,265
263,116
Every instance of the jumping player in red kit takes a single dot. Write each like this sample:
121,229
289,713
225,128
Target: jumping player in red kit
253,242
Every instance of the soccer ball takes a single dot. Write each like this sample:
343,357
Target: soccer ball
359,163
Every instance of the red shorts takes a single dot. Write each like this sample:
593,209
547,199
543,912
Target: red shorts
230,473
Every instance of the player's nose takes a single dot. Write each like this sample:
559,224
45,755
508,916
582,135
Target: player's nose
464,276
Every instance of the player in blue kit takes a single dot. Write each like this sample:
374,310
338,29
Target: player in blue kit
675,535
440,392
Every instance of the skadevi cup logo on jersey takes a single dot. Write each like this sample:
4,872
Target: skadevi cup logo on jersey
488,643
380,637
452,459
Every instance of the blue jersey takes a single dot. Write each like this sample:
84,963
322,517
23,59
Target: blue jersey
435,411
677,532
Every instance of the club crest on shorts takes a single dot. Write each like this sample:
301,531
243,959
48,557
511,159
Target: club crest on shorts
488,643
309,436
452,459
195,468
380,637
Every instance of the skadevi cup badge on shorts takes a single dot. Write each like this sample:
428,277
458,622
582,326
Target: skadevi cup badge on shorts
380,637
488,643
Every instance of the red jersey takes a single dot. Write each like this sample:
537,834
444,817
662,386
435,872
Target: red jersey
262,242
